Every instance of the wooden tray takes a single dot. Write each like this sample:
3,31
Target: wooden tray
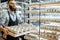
20,34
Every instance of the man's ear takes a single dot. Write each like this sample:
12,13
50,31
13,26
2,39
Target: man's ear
3,1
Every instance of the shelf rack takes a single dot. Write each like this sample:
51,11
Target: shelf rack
37,19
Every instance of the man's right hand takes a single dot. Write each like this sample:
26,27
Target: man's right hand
5,31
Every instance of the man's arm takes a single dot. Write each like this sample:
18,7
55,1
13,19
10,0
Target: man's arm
2,23
3,20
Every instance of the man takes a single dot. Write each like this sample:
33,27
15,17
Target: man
10,18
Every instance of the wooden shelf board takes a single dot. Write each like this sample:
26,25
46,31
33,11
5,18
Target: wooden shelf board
43,4
20,34
46,20
40,12
49,29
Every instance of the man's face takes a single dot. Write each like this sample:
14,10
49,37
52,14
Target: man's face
12,5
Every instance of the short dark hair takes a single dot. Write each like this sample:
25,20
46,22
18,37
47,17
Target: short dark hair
3,1
9,0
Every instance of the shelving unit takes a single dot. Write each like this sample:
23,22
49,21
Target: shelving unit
43,12
45,16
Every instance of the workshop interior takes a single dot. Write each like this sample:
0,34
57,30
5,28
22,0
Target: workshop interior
29,19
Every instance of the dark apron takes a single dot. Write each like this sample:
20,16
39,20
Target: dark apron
12,23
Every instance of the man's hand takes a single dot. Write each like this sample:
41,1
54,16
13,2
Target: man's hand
5,31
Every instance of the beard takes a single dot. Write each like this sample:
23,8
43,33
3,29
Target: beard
12,8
